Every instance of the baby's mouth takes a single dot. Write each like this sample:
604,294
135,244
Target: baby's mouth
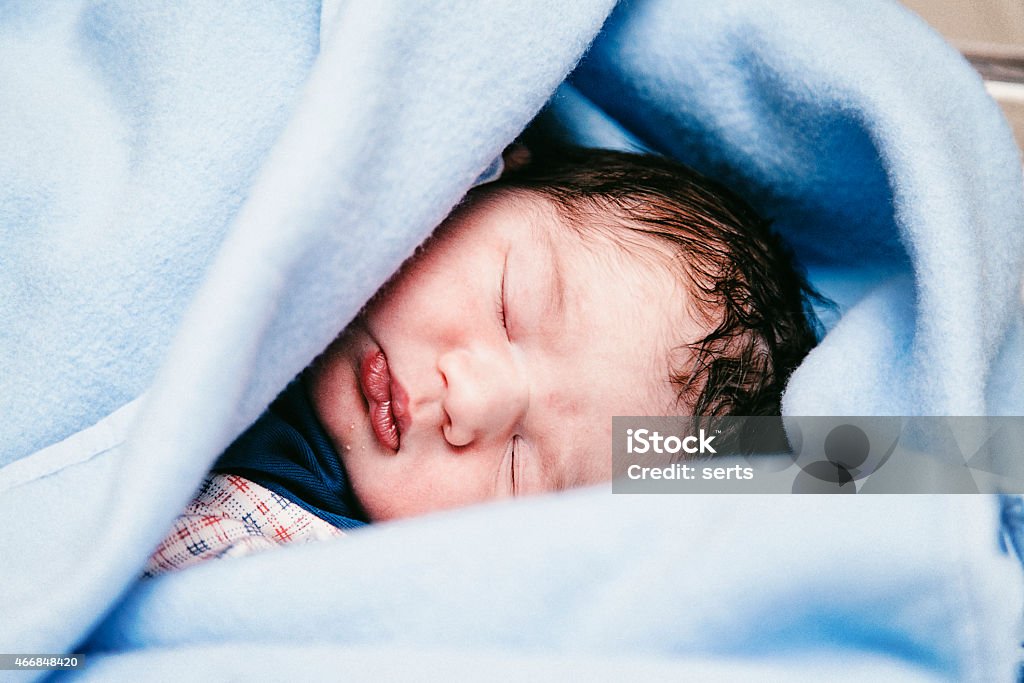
375,381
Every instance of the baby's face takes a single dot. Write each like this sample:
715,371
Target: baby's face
492,364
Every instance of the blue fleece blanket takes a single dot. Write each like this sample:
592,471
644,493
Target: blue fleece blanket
197,196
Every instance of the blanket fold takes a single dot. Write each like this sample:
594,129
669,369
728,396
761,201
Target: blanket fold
196,197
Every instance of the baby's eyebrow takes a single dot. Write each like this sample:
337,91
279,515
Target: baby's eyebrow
555,279
556,297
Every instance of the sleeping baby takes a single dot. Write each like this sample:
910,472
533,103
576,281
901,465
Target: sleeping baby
580,285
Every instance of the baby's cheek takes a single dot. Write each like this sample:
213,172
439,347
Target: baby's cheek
565,406
324,382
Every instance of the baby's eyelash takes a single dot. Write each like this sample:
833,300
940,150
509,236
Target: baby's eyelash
501,302
512,468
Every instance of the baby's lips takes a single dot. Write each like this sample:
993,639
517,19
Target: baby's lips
383,423
376,377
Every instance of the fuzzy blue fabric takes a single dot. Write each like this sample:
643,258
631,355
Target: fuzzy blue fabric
197,196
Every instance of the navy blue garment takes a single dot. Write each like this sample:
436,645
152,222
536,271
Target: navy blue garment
287,451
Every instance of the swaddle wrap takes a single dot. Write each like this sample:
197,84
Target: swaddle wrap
242,178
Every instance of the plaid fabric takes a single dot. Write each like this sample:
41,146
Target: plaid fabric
233,516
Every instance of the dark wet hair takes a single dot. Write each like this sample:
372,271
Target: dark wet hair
744,281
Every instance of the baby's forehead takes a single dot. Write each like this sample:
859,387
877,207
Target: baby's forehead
595,224
597,242
597,233
614,272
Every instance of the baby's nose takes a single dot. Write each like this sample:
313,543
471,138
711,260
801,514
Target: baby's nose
485,395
